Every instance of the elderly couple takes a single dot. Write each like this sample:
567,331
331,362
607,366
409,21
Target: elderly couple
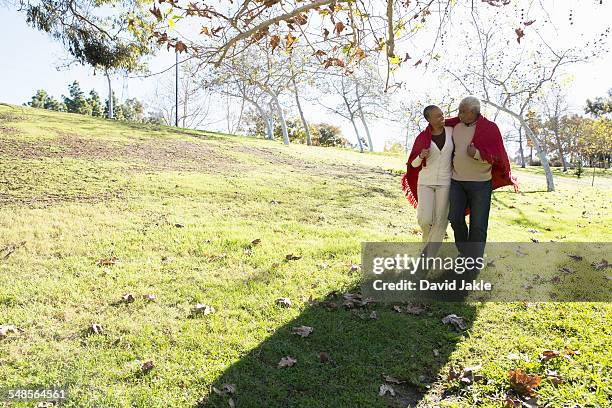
453,167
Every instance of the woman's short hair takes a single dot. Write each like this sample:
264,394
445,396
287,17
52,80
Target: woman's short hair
428,110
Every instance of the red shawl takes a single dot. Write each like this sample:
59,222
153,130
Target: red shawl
487,139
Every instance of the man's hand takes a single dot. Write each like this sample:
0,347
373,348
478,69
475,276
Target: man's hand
424,154
471,150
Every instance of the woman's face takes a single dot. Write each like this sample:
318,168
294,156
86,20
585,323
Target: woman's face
436,117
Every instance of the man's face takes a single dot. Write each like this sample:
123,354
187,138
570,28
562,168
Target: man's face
467,115
436,117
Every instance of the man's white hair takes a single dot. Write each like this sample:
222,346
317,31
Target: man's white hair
472,103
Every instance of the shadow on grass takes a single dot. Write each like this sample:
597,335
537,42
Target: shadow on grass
358,351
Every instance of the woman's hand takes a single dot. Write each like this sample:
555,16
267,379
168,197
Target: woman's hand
424,153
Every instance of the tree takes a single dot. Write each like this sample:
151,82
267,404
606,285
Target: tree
509,76
96,105
76,101
600,106
109,41
39,100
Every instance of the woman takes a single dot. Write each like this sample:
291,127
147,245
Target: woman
428,175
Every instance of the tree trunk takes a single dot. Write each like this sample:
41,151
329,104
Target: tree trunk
281,118
550,185
521,147
560,149
362,117
357,133
266,118
110,95
299,106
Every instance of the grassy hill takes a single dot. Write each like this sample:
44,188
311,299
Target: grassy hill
92,210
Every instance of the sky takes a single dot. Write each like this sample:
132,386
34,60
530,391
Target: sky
31,60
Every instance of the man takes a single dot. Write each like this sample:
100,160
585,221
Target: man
480,165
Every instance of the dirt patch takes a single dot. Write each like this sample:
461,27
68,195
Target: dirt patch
154,154
48,199
342,171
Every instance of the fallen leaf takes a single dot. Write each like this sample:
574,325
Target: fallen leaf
286,362
108,261
548,355
524,383
533,230
415,309
566,269
226,389
96,328
454,320
147,366
397,309
553,377
7,329
256,241
386,389
179,225
535,240
303,331
284,302
128,298
292,257
150,297
355,268
392,380
575,257
600,265
374,315
329,305
323,357
200,308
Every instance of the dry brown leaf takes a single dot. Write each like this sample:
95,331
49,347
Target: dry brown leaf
150,297
524,383
256,241
147,366
549,355
7,329
286,362
454,320
200,308
226,389
303,331
291,257
386,389
575,257
283,302
392,380
108,261
323,357
128,298
397,309
600,265
415,309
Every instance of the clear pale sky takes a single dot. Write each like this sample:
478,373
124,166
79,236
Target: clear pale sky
28,61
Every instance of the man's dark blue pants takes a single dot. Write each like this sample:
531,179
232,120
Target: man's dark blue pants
475,195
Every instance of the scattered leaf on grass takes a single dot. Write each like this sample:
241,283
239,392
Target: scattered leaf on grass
291,257
454,320
329,305
566,269
147,366
256,241
415,309
548,355
575,257
96,328
323,357
303,331
374,315
128,298
392,380
179,225
553,377
7,329
535,240
108,261
286,362
533,230
149,297
200,308
225,389
355,268
524,383
600,265
355,300
386,389
465,375
397,308
284,302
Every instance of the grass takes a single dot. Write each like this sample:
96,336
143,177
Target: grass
179,211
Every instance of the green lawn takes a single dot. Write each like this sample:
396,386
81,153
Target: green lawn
175,215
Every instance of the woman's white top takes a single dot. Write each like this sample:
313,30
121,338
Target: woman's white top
439,164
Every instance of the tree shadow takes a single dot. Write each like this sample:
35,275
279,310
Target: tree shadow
342,363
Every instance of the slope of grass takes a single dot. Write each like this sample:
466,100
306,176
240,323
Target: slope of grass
177,213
